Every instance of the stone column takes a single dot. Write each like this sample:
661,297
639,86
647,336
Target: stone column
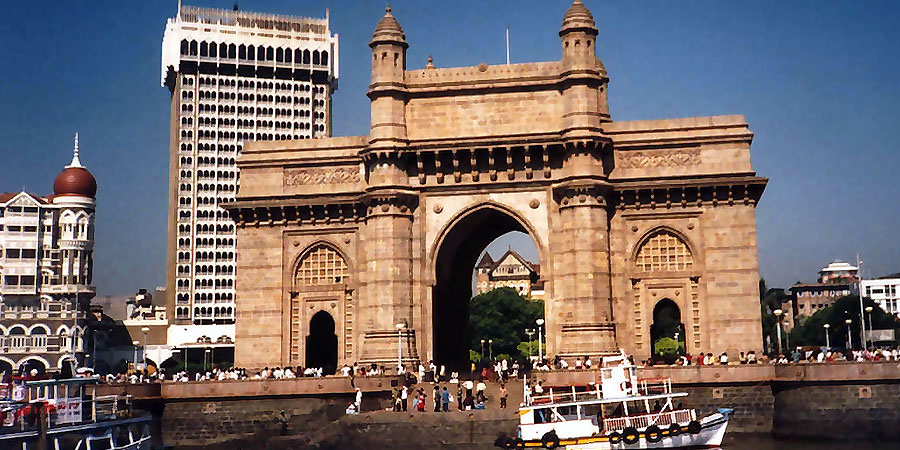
580,320
387,279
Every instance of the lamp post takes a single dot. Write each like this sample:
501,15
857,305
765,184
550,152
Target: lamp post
849,333
482,349
530,333
400,326
135,345
145,330
491,349
871,327
827,338
677,344
205,357
778,314
540,324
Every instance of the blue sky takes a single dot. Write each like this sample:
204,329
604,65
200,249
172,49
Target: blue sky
819,82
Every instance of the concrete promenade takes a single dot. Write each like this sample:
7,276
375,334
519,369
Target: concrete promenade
823,401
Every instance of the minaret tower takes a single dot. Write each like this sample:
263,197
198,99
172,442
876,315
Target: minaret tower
387,284
580,314
75,191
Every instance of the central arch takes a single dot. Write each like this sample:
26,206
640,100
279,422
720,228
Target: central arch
455,257
667,324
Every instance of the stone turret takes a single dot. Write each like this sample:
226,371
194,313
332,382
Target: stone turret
585,95
388,88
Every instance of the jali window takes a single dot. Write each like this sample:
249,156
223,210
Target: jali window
664,252
322,265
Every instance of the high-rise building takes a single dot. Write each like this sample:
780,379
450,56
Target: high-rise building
46,265
234,77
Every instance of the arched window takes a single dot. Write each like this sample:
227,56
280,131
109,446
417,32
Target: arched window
663,251
321,265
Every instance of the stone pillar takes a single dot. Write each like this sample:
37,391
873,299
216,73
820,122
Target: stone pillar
387,279
580,319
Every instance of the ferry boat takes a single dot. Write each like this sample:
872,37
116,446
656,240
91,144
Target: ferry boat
67,414
618,411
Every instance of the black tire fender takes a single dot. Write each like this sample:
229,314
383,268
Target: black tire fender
550,440
630,435
615,438
653,434
694,427
502,442
674,429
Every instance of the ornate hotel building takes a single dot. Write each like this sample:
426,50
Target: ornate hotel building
46,261
234,77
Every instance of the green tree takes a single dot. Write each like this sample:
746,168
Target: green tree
812,331
770,299
502,315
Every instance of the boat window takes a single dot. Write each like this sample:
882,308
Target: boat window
543,415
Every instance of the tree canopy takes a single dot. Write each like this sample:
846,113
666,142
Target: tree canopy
812,331
502,315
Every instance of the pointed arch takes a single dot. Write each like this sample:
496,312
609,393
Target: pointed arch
321,262
663,249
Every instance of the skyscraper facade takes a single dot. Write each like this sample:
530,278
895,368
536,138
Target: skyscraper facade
234,77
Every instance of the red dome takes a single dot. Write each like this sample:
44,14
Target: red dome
75,181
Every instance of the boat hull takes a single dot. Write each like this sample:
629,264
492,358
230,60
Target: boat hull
711,433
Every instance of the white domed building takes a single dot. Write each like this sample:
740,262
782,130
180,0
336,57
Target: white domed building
46,264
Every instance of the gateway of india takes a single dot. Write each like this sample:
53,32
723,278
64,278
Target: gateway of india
362,249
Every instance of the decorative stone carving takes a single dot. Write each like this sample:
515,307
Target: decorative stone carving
659,158
315,176
437,209
534,203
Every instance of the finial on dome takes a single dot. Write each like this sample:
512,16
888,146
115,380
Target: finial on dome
578,17
388,30
430,64
75,162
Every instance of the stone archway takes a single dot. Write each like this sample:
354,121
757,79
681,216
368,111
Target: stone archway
667,324
321,343
454,262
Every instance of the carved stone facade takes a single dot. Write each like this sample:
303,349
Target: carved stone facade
623,214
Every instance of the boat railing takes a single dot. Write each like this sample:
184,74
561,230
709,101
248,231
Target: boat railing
652,386
641,421
567,394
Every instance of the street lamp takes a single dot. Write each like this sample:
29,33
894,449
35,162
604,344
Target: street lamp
827,338
871,327
778,314
849,333
530,333
482,349
145,330
491,349
540,324
677,344
400,326
135,345
205,357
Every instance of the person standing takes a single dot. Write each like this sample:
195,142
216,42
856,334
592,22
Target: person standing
358,399
437,398
445,400
504,394
459,397
404,396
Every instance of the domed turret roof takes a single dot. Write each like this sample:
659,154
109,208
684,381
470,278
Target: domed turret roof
388,30
578,17
75,179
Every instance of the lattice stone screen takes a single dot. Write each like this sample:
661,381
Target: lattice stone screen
322,265
664,252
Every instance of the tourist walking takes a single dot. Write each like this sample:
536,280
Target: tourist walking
437,398
404,396
504,394
421,401
445,400
459,397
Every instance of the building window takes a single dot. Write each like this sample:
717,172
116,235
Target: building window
663,252
321,265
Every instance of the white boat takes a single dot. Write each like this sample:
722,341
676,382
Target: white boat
67,414
617,411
